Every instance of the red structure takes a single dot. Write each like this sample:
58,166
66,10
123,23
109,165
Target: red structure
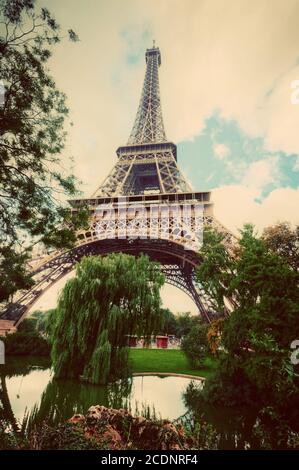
132,340
162,342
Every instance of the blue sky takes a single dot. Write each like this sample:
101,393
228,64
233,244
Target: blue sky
225,94
222,155
225,80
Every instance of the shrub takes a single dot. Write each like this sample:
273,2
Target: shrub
195,344
26,344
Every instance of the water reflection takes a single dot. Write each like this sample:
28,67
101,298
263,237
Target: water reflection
14,377
234,426
30,389
64,398
27,388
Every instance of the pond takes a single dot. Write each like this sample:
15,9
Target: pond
28,388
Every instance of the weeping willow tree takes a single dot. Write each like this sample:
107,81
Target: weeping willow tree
110,298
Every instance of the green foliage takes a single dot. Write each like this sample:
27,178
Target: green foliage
13,272
110,298
29,339
8,439
255,363
65,437
216,269
184,322
229,386
195,344
170,322
41,320
260,429
32,138
284,240
28,325
37,322
26,343
205,436
179,324
274,432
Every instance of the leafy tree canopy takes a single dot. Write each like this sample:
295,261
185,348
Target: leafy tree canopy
284,240
195,344
32,116
184,323
170,322
256,337
110,298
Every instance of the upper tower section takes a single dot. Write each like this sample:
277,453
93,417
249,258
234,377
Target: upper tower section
148,126
147,164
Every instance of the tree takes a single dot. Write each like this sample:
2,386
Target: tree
214,335
195,344
30,338
185,321
110,298
170,322
26,343
215,272
284,241
255,365
43,325
32,117
13,271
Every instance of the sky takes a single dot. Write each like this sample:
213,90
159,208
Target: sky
225,81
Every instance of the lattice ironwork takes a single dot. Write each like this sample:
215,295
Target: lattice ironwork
148,162
144,206
177,264
148,126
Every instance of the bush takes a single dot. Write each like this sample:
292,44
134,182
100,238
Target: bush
195,344
274,432
24,343
28,325
7,440
229,388
184,323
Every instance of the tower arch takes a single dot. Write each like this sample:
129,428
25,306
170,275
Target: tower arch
145,205
177,265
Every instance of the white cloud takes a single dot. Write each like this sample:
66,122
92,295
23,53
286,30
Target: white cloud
236,205
261,173
233,56
236,168
238,57
221,151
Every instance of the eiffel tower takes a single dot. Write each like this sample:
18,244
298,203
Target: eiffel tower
145,205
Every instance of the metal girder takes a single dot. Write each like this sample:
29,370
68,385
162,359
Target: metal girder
148,125
177,265
147,147
146,172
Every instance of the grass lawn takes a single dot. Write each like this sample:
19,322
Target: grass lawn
167,360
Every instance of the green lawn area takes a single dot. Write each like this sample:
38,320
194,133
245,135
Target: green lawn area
167,360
